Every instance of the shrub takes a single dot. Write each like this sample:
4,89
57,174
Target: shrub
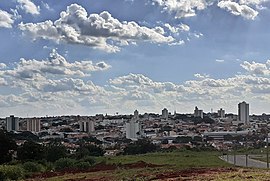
89,159
49,166
11,172
32,167
64,163
82,165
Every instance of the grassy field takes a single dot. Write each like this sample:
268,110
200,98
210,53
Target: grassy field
170,162
179,160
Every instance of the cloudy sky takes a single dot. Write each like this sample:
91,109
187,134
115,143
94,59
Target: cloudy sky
108,56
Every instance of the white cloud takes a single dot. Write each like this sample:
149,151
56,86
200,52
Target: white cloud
238,9
183,8
56,65
6,19
177,29
2,65
100,31
220,60
46,6
257,68
29,7
201,76
55,86
188,8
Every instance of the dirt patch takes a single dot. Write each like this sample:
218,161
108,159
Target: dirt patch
193,172
97,168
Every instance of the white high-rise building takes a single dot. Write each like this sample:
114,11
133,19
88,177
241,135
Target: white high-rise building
87,126
12,123
221,113
33,125
165,113
133,127
243,113
198,113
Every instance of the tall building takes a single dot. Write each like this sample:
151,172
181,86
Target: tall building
198,113
87,126
133,127
12,123
221,113
33,125
165,113
243,113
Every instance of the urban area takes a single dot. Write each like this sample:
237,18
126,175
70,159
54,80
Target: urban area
216,130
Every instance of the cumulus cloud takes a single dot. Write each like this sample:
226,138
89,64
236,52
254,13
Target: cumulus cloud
55,83
177,29
101,31
6,19
257,68
189,8
183,8
55,65
238,9
2,65
29,7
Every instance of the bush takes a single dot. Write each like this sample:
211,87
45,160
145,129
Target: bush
89,160
32,167
49,166
64,163
82,165
11,172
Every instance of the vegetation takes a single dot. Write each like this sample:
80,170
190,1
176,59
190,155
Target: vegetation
7,146
11,172
30,151
140,147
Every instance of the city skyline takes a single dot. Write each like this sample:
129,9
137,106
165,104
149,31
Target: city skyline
84,58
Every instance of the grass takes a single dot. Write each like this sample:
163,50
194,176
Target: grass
172,161
177,159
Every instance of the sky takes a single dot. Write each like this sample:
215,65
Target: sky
114,56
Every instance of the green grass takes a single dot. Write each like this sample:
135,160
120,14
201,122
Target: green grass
171,161
178,159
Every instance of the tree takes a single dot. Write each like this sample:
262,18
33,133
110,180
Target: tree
7,145
183,139
30,151
89,150
55,151
140,147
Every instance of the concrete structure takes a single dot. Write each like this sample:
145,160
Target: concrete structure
87,126
136,114
165,113
33,125
12,123
221,113
133,127
198,113
243,113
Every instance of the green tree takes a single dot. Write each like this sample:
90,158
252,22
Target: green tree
140,147
30,151
55,151
7,145
89,150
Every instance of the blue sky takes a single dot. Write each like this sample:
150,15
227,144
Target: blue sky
99,56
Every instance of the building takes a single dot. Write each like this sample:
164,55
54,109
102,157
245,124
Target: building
133,127
165,113
243,113
221,113
198,113
33,125
12,123
87,126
